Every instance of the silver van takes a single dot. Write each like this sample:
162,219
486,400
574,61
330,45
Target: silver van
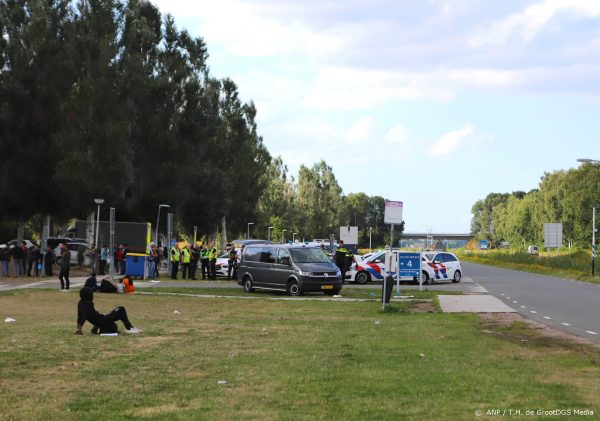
295,269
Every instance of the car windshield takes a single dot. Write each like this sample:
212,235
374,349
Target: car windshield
429,255
309,255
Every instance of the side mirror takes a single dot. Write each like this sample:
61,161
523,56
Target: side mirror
285,261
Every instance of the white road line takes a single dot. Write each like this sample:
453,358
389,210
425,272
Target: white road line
534,312
566,324
523,307
547,318
501,294
591,333
516,302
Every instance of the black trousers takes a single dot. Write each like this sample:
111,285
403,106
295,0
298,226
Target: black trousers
102,267
204,263
213,269
193,268
174,269
184,270
63,276
117,314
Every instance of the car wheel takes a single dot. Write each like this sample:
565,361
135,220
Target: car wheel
330,293
425,278
294,289
457,277
362,278
248,284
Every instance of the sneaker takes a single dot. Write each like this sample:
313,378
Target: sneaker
133,330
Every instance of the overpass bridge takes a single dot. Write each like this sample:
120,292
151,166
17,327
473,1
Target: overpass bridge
435,236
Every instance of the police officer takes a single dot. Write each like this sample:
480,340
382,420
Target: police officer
175,257
212,262
185,261
340,258
195,256
204,261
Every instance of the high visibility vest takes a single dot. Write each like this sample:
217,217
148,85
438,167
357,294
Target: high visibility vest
343,250
186,255
174,254
204,254
212,254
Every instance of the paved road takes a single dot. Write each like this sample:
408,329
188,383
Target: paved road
560,303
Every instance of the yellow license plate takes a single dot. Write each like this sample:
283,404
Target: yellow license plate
327,287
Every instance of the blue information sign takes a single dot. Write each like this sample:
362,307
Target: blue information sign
410,264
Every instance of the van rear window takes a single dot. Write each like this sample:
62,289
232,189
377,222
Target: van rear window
252,254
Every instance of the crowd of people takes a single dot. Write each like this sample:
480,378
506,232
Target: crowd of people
188,258
26,260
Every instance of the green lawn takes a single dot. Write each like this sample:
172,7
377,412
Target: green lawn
279,360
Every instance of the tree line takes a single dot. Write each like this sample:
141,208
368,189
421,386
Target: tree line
109,99
519,217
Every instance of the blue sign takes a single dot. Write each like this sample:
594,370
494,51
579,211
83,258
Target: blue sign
410,264
483,245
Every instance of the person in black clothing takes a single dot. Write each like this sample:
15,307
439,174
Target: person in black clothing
49,261
86,312
92,282
65,267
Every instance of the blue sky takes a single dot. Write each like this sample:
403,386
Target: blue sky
434,103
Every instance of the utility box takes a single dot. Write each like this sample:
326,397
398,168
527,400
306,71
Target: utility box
136,262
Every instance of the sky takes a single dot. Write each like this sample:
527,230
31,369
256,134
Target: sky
434,103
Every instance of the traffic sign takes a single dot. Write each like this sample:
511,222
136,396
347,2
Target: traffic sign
393,212
410,264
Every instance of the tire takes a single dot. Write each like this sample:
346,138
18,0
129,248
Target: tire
330,293
293,288
248,284
362,278
426,279
457,277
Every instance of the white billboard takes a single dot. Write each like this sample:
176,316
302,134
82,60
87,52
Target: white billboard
393,212
349,235
553,235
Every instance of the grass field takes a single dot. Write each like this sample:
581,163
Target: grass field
570,265
279,360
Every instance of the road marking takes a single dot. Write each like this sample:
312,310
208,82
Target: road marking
566,324
501,294
523,307
591,333
507,297
534,312
515,302
547,318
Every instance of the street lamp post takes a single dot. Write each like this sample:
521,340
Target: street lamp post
594,161
98,202
248,234
269,234
157,221
370,231
294,237
282,237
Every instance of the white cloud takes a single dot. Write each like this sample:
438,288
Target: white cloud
361,130
525,25
446,144
397,135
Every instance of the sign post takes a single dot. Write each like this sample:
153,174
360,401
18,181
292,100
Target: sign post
392,215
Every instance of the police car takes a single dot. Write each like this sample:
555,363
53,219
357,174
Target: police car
439,266
435,266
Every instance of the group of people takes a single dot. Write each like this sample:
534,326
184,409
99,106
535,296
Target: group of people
188,257
27,261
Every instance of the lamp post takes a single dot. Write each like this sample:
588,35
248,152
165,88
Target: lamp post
282,237
248,234
370,231
157,221
294,237
269,234
98,202
594,161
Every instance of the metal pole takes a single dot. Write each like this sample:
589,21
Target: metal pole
370,231
195,234
97,227
156,230
167,247
44,245
282,235
593,240
112,243
269,234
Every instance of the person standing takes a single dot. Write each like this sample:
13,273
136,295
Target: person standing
49,261
195,257
36,260
17,257
340,258
175,257
185,261
93,255
124,259
5,259
65,267
152,255
204,261
232,264
212,263
104,256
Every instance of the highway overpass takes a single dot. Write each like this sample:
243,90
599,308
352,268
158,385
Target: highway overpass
436,236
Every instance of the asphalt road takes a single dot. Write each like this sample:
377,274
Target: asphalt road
560,303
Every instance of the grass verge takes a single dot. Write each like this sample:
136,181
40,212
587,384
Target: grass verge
279,360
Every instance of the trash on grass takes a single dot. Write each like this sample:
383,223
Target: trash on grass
422,355
222,382
337,296
176,312
377,322
9,320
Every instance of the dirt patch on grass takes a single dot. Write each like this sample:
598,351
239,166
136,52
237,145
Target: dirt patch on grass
423,308
515,327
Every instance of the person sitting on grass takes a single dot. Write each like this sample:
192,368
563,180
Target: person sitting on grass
92,282
86,312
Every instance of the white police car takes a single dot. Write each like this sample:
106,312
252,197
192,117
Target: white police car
439,266
369,269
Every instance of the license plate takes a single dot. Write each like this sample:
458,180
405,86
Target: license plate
327,287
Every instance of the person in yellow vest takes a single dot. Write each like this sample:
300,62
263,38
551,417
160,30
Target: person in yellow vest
175,256
185,261
212,263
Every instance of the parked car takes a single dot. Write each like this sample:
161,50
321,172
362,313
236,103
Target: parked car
292,268
533,250
440,266
367,270
13,243
78,253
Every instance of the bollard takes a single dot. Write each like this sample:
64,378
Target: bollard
386,294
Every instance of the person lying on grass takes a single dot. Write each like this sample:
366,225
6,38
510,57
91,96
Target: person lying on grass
101,323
